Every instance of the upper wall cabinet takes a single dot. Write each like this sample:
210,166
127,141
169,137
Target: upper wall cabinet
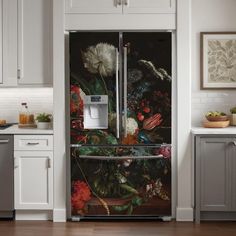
1,43
8,43
120,6
34,42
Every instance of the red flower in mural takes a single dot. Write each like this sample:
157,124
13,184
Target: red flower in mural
152,122
81,194
146,109
81,139
140,116
76,102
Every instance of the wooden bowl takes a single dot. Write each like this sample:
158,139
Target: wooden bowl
217,118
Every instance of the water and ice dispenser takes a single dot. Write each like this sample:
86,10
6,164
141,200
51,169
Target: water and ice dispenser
96,112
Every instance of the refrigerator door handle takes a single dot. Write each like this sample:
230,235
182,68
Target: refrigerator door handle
117,96
125,92
119,157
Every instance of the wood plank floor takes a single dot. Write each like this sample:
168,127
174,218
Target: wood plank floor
139,228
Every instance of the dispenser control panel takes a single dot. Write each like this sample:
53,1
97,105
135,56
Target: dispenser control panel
96,98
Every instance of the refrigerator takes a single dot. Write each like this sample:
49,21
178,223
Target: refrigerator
120,124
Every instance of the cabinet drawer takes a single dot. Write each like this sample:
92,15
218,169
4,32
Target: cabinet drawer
33,142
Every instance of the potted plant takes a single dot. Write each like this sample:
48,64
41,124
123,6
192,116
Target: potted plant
233,116
44,120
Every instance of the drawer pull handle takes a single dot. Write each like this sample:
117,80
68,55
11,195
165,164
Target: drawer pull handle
32,143
2,141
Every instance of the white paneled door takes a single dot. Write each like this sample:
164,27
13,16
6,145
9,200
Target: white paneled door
34,42
94,6
1,41
33,180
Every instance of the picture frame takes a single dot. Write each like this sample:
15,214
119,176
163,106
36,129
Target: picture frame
218,60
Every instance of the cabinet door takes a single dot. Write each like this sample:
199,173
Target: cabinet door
215,174
1,46
149,6
93,6
233,161
34,42
33,180
8,43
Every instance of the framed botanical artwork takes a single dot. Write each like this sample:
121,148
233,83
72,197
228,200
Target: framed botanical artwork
218,60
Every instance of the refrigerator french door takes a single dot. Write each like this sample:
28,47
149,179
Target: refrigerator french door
120,122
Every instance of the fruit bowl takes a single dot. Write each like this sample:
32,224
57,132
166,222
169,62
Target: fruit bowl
217,118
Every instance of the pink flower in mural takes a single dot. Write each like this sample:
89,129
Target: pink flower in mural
165,151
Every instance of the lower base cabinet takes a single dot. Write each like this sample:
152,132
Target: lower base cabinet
33,180
33,173
215,168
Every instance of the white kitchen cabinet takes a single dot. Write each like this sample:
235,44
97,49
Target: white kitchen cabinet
33,180
33,172
1,46
120,6
34,42
8,43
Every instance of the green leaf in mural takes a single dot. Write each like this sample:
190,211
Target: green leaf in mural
137,201
98,87
110,139
128,188
120,208
88,150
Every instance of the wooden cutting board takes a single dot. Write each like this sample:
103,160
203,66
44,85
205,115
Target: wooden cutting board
216,124
27,126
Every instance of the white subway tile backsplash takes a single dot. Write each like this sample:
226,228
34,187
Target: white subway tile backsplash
38,100
203,102
206,100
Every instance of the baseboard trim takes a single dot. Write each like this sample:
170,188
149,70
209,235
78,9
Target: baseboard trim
33,215
59,215
184,214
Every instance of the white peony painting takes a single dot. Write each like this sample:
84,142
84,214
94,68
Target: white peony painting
218,60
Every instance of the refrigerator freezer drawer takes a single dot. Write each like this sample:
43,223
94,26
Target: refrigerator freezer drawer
121,186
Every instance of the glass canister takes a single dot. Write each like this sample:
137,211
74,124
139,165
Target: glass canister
23,114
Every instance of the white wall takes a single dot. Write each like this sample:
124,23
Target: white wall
209,15
38,100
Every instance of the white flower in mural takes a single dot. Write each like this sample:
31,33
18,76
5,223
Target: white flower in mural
101,59
132,126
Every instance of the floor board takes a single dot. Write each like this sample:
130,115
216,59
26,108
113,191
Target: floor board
36,228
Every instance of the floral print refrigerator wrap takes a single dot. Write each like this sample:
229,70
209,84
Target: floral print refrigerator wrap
125,168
